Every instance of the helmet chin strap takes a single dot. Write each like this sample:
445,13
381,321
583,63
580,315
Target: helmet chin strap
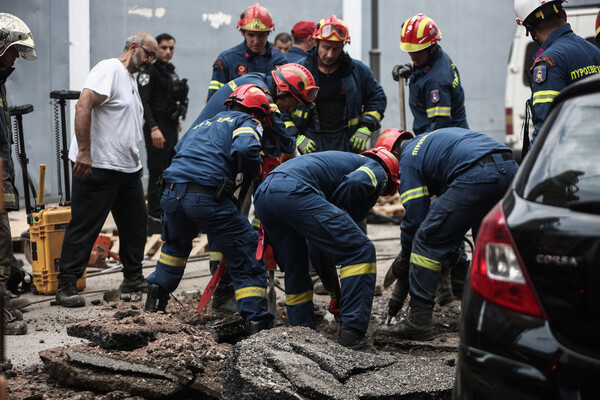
529,32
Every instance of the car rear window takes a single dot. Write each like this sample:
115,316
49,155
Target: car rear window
566,171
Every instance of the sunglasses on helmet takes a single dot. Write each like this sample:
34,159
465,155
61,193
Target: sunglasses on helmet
328,30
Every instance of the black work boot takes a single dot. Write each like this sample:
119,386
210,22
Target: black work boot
68,296
418,325
253,327
223,302
354,339
134,283
443,294
157,299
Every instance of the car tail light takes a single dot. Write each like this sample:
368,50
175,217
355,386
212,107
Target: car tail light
508,118
497,273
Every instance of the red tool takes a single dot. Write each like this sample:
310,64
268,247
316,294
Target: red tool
264,251
212,285
101,251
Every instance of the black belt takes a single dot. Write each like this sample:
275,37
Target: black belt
488,158
194,188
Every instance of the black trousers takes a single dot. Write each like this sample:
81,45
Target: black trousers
159,159
93,197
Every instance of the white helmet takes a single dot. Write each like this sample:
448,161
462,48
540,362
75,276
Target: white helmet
524,8
13,31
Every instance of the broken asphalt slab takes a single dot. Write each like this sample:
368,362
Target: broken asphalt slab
300,363
176,360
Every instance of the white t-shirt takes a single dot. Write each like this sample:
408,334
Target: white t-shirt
116,127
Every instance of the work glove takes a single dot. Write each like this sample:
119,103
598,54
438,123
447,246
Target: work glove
402,71
400,267
358,141
305,145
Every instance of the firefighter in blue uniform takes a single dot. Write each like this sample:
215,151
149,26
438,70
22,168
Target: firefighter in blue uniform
198,197
350,103
310,205
289,85
436,96
254,54
469,172
436,100
562,59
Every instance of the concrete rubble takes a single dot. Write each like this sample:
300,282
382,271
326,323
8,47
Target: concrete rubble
159,356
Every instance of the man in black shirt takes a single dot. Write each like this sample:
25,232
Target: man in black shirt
350,103
164,96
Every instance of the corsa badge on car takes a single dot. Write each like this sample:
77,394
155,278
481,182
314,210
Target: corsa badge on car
435,96
143,79
539,74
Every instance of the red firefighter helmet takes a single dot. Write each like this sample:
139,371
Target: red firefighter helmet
256,18
390,137
598,27
297,80
390,164
418,33
333,29
251,96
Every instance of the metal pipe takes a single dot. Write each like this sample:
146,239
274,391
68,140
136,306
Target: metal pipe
375,53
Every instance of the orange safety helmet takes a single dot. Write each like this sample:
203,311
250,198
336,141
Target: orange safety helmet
251,96
418,33
390,137
333,29
256,18
296,80
390,164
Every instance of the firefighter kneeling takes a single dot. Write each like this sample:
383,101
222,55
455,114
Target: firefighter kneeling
198,197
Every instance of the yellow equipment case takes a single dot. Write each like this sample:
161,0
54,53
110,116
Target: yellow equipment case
47,226
47,231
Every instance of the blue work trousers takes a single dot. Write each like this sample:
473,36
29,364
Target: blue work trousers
299,221
186,215
461,207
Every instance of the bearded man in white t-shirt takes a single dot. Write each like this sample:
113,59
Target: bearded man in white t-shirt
107,170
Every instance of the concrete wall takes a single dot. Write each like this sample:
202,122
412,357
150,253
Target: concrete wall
73,35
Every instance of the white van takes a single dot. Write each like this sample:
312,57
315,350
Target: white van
583,23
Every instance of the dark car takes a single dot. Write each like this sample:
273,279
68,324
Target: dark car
530,324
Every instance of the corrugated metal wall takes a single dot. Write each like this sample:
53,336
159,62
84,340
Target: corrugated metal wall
476,34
